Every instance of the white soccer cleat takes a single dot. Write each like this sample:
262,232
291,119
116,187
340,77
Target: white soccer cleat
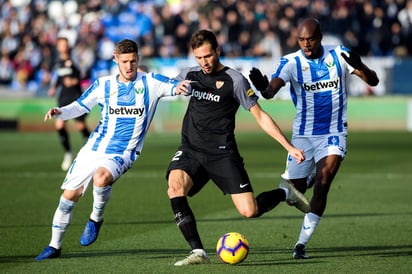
295,198
67,161
195,257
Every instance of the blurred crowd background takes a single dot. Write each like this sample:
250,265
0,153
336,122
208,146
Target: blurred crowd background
245,28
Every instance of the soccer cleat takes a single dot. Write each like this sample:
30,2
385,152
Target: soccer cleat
49,253
295,198
299,252
67,161
195,257
90,232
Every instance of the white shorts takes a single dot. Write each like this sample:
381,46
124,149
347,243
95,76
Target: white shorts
315,148
87,162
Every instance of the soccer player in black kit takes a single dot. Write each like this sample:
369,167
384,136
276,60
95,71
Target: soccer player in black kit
208,149
66,85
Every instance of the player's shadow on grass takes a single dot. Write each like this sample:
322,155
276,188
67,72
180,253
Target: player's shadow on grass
287,217
280,256
231,219
317,254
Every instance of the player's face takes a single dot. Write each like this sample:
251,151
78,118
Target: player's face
310,43
127,64
207,58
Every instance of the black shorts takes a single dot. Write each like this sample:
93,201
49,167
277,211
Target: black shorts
227,171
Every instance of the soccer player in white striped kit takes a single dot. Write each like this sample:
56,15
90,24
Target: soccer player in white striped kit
127,103
317,78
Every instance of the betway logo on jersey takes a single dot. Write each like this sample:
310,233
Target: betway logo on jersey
321,85
126,111
205,95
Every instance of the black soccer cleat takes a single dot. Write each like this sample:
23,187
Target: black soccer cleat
299,252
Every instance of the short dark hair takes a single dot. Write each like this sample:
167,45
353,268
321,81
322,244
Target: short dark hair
203,37
126,46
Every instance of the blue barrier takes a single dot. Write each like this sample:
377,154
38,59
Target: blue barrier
401,77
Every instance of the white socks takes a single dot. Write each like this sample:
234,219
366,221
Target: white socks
64,212
61,220
101,196
200,251
310,222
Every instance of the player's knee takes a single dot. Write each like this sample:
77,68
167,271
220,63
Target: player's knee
175,189
73,195
179,184
102,178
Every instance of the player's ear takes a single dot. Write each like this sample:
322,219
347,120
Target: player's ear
115,57
218,50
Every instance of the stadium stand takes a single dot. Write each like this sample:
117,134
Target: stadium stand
257,28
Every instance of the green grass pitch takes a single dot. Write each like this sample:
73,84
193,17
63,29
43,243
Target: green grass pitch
367,226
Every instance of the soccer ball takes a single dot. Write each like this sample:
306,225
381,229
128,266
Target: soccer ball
232,248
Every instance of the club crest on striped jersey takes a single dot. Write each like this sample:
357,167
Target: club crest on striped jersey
330,63
139,90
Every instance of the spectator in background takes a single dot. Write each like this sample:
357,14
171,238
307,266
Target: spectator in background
397,40
405,19
42,79
267,45
99,20
9,42
84,57
22,68
6,69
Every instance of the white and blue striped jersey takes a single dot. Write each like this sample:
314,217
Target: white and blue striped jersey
318,90
126,111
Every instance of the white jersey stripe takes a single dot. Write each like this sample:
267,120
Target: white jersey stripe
147,117
317,88
126,111
102,131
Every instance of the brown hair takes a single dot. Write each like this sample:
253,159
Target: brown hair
203,37
126,46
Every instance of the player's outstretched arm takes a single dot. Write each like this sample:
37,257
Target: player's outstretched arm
273,130
266,88
53,111
361,70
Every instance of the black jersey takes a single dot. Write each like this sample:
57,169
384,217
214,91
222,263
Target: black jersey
66,68
209,122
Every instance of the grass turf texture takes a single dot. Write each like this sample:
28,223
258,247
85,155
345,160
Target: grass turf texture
366,227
